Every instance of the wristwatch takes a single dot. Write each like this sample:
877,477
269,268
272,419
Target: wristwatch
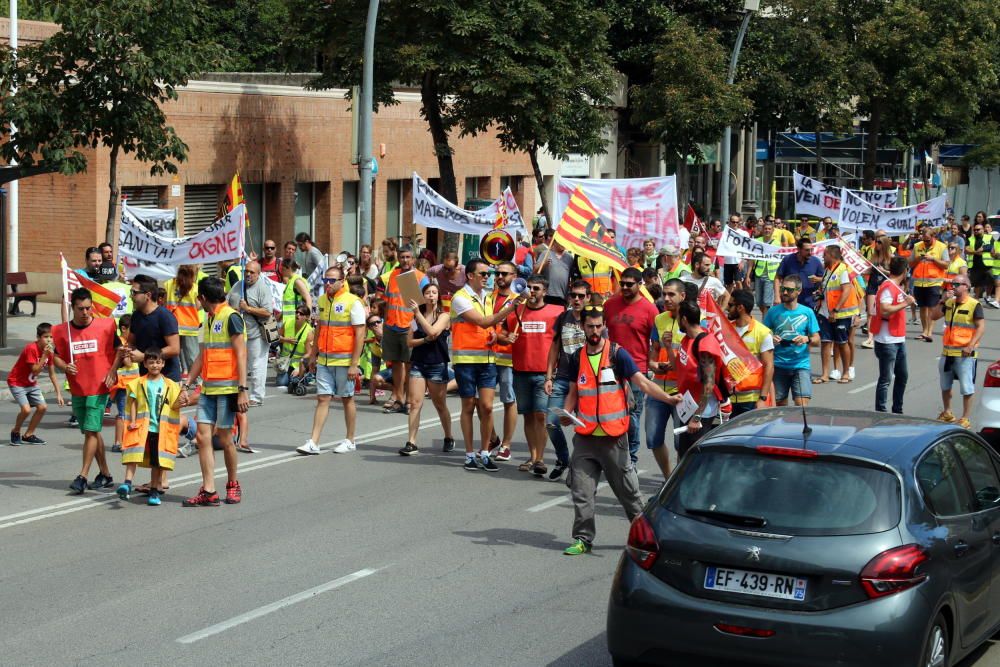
764,397
242,388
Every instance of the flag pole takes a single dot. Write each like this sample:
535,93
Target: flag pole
66,306
545,257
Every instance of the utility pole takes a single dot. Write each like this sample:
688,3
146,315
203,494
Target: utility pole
12,189
749,7
365,120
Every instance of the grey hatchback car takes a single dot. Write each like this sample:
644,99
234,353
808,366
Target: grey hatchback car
859,539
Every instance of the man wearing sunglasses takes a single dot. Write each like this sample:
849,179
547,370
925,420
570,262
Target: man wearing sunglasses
270,265
795,328
450,276
630,317
500,448
473,318
152,327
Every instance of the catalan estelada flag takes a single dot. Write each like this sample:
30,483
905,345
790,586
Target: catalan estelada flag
234,197
104,300
581,232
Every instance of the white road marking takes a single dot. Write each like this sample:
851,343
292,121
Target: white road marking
275,606
864,387
90,502
564,499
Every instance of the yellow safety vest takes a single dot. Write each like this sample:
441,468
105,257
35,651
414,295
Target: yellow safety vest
134,441
219,368
959,326
468,340
748,390
335,336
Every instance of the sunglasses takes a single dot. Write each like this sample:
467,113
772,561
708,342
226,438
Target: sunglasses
536,288
577,296
483,273
330,281
270,247
375,323
789,290
505,273
628,283
593,309
136,292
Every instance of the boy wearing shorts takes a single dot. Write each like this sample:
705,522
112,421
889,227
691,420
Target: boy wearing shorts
23,384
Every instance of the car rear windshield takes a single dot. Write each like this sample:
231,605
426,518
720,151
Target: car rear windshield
784,495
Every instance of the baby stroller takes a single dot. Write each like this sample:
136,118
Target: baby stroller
299,385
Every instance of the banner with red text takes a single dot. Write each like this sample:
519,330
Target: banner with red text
221,240
636,209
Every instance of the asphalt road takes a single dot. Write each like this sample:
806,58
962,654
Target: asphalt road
358,559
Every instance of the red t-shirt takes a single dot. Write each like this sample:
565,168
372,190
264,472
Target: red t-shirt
630,325
687,371
21,375
271,269
93,353
534,339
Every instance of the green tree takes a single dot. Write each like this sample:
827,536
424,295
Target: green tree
543,81
252,32
104,78
687,100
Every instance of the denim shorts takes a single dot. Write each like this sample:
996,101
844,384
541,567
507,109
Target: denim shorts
27,396
505,385
473,377
962,369
436,373
119,401
834,331
332,381
797,380
217,409
529,389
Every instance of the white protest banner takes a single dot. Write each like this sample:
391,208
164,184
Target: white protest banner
858,214
221,240
635,208
812,197
737,243
432,210
162,221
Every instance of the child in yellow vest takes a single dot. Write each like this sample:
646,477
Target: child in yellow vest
154,403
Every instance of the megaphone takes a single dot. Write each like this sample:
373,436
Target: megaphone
519,286
341,258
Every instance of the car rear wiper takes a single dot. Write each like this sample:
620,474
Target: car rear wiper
729,517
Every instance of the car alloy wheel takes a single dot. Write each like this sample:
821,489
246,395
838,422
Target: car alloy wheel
936,648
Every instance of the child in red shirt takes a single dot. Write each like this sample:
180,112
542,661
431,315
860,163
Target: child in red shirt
23,384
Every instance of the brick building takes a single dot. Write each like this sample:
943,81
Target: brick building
292,148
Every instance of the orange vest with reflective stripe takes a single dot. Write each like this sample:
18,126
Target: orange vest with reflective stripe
597,275
748,390
134,440
504,353
397,313
185,308
219,370
335,334
959,325
469,342
929,274
603,404
834,289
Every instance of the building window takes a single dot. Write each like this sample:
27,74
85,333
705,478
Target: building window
351,219
393,209
253,194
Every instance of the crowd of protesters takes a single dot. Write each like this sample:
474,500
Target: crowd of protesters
334,325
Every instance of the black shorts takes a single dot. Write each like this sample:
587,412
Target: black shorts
981,277
730,273
927,297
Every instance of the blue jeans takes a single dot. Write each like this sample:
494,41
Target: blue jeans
657,415
560,387
891,362
635,422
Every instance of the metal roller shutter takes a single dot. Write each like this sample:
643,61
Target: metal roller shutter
147,196
201,206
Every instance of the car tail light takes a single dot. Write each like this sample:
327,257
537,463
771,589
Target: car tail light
893,571
992,375
795,452
642,545
743,631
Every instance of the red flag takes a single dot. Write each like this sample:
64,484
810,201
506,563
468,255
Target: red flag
740,362
692,223
104,300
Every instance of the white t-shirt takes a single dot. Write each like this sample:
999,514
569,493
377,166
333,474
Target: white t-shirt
462,300
358,314
713,285
883,336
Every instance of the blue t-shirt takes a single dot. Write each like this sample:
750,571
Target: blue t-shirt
800,321
155,395
152,331
791,266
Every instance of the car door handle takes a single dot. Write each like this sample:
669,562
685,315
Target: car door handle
961,549
996,539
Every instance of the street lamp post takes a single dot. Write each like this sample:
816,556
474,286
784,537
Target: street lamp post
749,7
365,120
13,191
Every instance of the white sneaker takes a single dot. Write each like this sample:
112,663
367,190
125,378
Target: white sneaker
308,448
834,374
344,447
850,373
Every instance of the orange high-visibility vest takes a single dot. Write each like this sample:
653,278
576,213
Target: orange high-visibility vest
469,341
833,289
597,275
219,366
670,337
959,325
335,336
185,308
601,404
397,313
134,441
929,274
748,390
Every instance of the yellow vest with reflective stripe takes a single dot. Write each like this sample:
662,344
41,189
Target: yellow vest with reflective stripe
189,314
134,441
296,350
219,368
290,300
763,268
468,340
335,333
749,389
959,325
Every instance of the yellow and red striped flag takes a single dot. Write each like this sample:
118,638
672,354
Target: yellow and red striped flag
581,232
234,197
104,300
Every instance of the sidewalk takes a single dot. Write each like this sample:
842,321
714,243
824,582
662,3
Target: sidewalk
20,332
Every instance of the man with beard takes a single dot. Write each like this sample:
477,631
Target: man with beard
701,276
530,333
666,341
752,391
600,398
505,274
795,328
270,265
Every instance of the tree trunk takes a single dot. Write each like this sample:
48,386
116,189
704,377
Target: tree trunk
540,183
871,150
113,196
431,101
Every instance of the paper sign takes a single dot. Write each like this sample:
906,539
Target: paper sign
409,288
559,412
686,408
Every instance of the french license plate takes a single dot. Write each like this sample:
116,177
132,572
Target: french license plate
755,583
